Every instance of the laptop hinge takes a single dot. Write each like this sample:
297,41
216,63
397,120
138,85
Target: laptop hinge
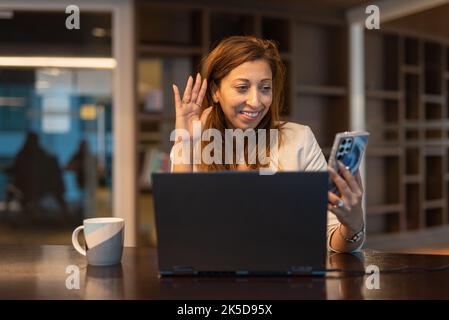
184,270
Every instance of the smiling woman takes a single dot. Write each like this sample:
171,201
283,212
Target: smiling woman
240,89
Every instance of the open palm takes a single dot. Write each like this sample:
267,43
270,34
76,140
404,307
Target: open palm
189,108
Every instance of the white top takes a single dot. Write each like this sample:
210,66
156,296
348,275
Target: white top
300,152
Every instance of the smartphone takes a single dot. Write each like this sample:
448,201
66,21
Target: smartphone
348,148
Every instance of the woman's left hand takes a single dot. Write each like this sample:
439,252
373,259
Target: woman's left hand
348,207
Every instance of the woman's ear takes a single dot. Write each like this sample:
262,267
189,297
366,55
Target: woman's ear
215,93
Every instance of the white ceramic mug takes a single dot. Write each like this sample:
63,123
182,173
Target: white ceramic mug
104,240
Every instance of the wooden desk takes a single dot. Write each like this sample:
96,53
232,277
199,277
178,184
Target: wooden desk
39,272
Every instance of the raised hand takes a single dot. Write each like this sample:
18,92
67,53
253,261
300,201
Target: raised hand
188,109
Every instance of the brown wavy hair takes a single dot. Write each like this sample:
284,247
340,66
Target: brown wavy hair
227,55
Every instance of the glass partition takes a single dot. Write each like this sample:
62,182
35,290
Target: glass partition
56,140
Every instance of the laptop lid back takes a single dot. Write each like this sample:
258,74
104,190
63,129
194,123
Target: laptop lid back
241,222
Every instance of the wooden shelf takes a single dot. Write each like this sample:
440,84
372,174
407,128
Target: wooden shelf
412,124
430,124
321,90
386,126
382,146
147,49
434,204
384,94
384,151
411,69
433,98
415,178
384,209
433,151
435,124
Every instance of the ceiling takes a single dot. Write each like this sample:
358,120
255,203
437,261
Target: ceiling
328,4
433,22
325,7
44,33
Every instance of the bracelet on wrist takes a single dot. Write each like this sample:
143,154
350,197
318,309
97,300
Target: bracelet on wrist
355,238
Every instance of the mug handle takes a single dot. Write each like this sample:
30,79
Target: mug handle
75,242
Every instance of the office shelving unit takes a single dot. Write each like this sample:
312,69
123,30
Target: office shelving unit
407,159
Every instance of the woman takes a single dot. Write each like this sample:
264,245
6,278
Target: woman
241,87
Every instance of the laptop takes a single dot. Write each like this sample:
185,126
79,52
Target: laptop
241,223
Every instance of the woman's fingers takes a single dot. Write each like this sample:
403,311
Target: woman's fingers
340,208
194,93
334,200
202,93
335,203
196,88
340,183
178,102
347,208
350,180
188,92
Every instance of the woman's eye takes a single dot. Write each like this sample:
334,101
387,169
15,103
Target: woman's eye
266,88
241,88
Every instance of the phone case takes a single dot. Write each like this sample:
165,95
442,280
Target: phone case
348,148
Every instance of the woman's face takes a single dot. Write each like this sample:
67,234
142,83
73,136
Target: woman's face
245,94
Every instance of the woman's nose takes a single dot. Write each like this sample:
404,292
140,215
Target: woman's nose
253,99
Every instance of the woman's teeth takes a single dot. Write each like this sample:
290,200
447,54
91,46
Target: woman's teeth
250,114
